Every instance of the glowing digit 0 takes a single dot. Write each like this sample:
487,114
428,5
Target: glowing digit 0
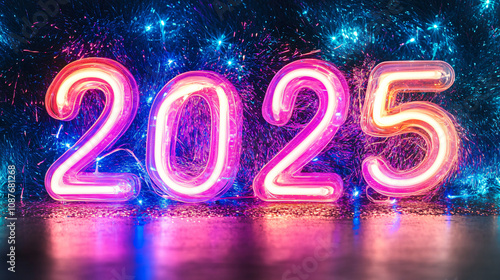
225,139
64,179
281,179
381,118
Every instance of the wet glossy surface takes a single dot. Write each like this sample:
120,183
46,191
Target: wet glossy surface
269,247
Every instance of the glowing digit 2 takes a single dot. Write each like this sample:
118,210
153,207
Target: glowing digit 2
382,119
225,139
64,179
280,179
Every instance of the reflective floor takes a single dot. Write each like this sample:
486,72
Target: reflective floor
295,248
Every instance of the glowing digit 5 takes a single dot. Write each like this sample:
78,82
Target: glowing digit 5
225,139
381,118
281,179
64,179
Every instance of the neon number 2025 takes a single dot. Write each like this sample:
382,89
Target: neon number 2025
280,179
380,117
64,179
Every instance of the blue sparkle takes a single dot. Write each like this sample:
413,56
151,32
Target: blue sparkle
162,23
148,27
356,193
412,40
229,62
58,131
170,61
315,159
150,99
458,196
434,26
334,38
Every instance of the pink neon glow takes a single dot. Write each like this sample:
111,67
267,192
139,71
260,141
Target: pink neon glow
225,138
281,179
64,179
382,118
